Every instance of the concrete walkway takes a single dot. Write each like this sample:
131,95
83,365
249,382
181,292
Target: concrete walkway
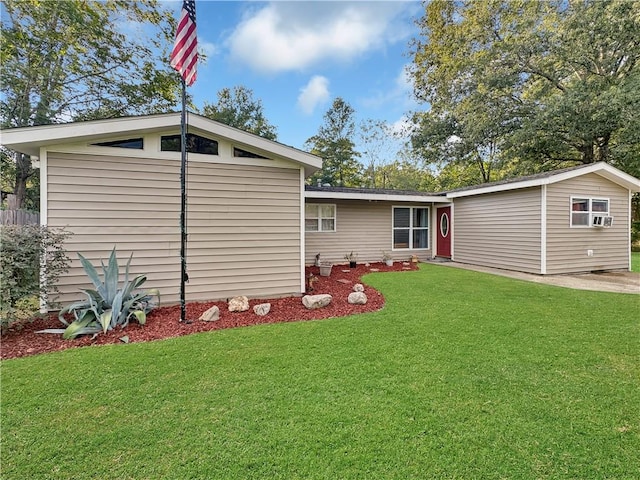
617,282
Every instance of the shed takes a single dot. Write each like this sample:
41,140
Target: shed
117,183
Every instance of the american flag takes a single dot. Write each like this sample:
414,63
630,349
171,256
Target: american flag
184,56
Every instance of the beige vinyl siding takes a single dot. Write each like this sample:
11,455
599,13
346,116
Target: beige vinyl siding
500,230
243,223
362,227
567,247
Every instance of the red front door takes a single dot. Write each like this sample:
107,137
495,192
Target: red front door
443,244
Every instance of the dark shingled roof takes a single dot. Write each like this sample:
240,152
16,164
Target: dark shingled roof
374,191
383,191
507,181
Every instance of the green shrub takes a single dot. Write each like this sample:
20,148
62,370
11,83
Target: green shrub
25,248
108,306
635,236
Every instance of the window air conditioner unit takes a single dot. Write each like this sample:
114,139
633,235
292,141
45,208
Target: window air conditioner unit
602,221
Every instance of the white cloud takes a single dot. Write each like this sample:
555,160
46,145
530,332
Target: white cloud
284,36
398,93
209,49
401,127
313,94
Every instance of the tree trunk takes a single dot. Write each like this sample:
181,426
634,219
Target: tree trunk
586,151
23,172
602,148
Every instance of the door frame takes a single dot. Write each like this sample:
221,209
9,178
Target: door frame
439,236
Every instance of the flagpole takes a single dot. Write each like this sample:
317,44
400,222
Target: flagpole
184,58
183,203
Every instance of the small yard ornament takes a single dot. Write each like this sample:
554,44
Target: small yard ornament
311,280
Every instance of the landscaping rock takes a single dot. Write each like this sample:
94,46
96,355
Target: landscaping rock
358,287
316,301
239,304
262,309
210,315
357,298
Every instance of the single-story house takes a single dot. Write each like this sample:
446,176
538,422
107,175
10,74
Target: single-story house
253,225
117,183
565,221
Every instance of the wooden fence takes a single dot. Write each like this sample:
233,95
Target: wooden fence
19,217
15,216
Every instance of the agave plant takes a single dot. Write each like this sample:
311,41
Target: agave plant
108,305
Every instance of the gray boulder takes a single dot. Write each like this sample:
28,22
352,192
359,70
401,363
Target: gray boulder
239,304
210,315
316,301
357,298
262,309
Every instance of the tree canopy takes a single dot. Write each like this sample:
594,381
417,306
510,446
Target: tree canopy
528,86
77,60
237,108
334,143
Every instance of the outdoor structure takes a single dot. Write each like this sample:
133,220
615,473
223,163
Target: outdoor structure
117,183
253,225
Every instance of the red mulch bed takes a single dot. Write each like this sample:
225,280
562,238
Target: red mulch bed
164,322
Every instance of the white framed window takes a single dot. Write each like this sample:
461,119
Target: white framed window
584,209
410,228
319,217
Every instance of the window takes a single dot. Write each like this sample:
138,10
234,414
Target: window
238,152
583,209
410,227
135,143
195,144
319,217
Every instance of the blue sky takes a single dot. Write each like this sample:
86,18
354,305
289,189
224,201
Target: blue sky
297,56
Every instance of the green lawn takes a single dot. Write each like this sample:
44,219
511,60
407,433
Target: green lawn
462,375
635,261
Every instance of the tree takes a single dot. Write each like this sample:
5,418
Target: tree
546,84
334,143
66,60
237,108
380,147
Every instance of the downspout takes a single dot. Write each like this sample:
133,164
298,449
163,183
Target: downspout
303,239
629,232
44,200
543,230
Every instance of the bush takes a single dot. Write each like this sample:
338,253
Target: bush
24,249
108,306
635,236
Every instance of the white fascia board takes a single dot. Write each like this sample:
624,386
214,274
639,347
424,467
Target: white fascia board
497,188
603,169
29,139
377,196
311,162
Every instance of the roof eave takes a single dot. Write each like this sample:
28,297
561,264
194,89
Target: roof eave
376,197
28,140
601,168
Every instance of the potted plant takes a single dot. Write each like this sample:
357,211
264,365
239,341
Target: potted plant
325,268
351,258
387,258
